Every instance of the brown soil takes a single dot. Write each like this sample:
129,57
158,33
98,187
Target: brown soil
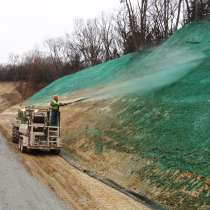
8,95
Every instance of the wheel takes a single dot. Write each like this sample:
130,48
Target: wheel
15,135
22,148
56,151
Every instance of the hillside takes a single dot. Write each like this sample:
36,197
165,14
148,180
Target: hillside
146,121
8,95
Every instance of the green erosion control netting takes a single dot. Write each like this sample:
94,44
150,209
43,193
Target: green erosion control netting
163,113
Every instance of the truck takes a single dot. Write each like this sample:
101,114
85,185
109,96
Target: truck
32,130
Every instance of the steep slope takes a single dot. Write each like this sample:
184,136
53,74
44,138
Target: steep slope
150,110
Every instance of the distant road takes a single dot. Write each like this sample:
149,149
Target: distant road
20,191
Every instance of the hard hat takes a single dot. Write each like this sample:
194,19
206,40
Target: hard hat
55,98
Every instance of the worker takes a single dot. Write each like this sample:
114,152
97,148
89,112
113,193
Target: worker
22,114
55,106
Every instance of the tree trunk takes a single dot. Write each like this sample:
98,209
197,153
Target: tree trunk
178,14
166,17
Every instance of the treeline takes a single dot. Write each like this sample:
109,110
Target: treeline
138,24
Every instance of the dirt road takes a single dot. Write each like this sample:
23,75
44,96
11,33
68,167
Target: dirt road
20,191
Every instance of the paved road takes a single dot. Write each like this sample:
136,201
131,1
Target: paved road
20,191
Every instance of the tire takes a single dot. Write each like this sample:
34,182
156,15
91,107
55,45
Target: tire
15,135
56,151
22,148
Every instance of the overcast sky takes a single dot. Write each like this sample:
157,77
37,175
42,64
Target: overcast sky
25,24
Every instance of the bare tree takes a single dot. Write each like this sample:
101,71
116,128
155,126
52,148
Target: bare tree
55,48
197,9
143,9
122,29
133,25
107,36
178,14
89,40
